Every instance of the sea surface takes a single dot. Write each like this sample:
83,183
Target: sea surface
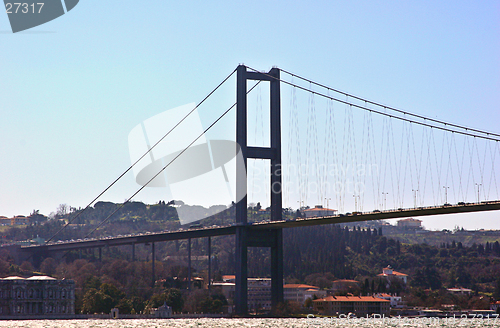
251,323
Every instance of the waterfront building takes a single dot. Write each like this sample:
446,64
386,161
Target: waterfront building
259,294
396,301
227,289
37,295
361,306
259,291
300,293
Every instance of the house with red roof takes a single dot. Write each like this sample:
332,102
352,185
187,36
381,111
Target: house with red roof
318,211
391,274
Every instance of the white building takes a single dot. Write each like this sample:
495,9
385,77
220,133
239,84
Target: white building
390,274
396,301
259,291
300,293
460,291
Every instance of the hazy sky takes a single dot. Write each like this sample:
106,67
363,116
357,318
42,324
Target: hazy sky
72,89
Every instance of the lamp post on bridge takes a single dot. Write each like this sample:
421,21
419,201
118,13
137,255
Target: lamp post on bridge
328,206
385,200
446,194
301,205
415,197
478,188
355,202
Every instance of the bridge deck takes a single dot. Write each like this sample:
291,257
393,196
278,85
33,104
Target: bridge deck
230,230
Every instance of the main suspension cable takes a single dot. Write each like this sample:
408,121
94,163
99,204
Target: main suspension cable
167,165
392,116
79,213
392,108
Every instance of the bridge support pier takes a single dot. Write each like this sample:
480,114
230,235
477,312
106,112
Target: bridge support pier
133,252
245,236
209,246
189,263
153,264
100,254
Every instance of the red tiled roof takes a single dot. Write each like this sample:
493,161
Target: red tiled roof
346,280
394,273
319,209
351,299
299,286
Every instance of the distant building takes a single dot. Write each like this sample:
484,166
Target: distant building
227,289
16,220
300,293
229,278
410,223
390,274
162,312
37,295
395,301
4,220
318,211
361,306
460,291
259,293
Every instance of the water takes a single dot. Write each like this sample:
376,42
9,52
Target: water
254,323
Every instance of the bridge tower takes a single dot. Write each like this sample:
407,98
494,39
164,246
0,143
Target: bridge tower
246,237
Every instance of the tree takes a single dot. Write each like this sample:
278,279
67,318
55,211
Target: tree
174,299
125,306
27,267
95,301
496,293
104,299
62,209
48,266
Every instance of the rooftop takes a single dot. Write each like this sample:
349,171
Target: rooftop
300,286
30,278
351,299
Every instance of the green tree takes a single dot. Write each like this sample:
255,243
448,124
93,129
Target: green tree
48,266
496,293
95,301
174,299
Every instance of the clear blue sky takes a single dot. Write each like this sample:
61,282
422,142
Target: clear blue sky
72,89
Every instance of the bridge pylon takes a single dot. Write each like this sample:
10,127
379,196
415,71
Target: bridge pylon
246,237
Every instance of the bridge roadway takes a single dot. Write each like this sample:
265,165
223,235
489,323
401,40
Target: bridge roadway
231,230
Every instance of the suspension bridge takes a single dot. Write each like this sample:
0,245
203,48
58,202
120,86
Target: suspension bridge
341,149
